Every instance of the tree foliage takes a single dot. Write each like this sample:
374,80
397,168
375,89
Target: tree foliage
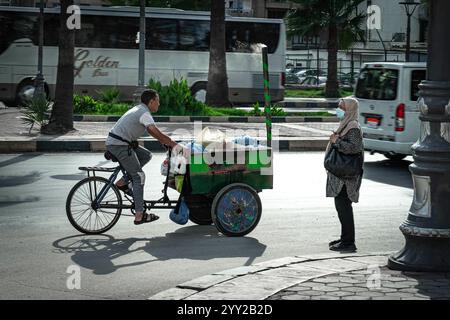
339,19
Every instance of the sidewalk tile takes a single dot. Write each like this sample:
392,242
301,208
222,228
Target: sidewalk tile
173,294
298,271
337,265
249,287
205,282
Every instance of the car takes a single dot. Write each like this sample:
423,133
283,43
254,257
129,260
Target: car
388,96
291,78
310,72
347,79
312,82
294,70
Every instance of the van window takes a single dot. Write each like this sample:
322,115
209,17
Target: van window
417,76
377,84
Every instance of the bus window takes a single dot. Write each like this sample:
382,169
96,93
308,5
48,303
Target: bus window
416,78
51,30
194,35
242,36
107,32
18,26
161,34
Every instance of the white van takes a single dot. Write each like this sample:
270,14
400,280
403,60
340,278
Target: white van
387,93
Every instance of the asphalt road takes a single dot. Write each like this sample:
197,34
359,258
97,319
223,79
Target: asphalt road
38,245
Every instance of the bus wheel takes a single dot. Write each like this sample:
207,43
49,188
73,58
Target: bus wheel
395,156
25,92
198,91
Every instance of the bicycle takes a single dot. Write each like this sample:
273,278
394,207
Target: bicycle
95,204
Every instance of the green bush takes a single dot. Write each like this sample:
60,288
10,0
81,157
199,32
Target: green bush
112,108
275,110
111,95
84,104
176,99
34,111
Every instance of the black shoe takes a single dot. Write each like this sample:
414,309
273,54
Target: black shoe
334,242
343,247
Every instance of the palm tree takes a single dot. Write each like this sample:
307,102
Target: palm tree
61,120
217,87
339,19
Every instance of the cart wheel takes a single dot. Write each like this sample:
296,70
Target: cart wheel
236,210
199,209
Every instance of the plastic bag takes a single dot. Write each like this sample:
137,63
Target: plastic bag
178,164
246,141
165,167
182,215
210,137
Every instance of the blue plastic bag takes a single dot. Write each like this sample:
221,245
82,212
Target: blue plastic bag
182,216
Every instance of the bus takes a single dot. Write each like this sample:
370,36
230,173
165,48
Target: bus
107,52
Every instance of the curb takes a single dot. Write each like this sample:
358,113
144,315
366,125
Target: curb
262,280
309,105
231,119
15,145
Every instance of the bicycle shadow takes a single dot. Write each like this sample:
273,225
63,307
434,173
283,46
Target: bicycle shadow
99,252
203,243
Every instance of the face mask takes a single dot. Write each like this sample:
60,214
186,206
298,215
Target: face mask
340,113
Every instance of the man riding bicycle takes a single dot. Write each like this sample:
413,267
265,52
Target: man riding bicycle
122,143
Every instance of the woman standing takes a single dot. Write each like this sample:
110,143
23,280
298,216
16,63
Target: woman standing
348,140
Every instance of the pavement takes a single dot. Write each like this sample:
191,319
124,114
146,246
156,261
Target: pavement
289,133
334,276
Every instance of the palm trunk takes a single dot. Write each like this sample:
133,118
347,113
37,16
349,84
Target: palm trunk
61,120
332,88
217,88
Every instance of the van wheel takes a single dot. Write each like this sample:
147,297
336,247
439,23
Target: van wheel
395,157
198,91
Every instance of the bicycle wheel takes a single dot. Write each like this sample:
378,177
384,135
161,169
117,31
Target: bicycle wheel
236,210
81,213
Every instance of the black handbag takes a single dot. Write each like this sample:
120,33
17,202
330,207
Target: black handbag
343,165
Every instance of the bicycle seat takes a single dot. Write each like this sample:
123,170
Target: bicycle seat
109,156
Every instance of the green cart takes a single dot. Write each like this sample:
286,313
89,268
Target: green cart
223,186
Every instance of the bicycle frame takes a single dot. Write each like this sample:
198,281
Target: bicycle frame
162,203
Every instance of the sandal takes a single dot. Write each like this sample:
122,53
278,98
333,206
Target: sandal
147,218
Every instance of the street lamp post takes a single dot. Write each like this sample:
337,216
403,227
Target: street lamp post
141,76
427,228
410,7
39,80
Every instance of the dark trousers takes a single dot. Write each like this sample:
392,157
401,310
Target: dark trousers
345,212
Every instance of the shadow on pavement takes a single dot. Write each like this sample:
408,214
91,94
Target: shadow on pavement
6,201
389,172
97,252
12,181
70,177
18,159
436,286
203,243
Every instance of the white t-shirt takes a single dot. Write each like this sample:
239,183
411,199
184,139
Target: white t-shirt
132,125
